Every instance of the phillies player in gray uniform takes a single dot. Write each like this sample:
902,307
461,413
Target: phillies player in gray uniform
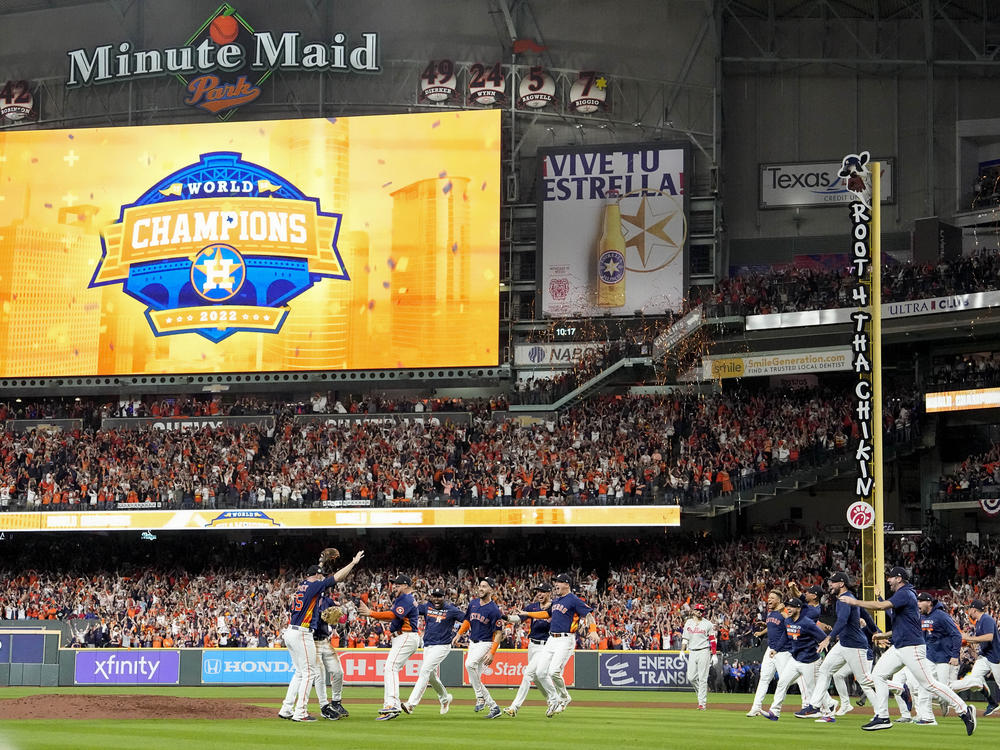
697,639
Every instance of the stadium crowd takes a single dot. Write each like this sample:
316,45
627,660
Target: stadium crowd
977,476
684,449
237,593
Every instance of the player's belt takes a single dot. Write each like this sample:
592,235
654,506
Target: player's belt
559,635
536,641
703,648
301,628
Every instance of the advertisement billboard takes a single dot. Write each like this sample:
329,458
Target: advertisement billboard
208,519
975,398
635,669
814,184
121,667
614,229
274,666
790,362
318,244
508,667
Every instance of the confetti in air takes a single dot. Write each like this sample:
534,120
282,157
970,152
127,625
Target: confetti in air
392,264
454,247
385,284
387,184
447,188
443,174
436,123
483,186
371,304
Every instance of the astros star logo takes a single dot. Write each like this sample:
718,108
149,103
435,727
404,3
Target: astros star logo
218,272
656,228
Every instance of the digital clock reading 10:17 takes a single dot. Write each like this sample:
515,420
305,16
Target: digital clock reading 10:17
565,331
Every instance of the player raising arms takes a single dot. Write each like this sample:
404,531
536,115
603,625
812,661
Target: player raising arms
698,640
483,622
298,635
405,642
908,649
440,619
538,656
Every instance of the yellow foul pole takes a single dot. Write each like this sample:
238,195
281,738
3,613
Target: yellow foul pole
873,537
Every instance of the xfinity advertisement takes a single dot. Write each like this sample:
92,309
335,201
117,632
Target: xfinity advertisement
107,667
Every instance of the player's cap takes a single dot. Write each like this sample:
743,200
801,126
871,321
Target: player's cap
312,570
700,607
491,582
898,572
401,579
840,577
543,587
793,602
561,578
437,592
923,596
978,604
817,590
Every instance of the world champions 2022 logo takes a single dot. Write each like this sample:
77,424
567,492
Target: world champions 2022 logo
218,247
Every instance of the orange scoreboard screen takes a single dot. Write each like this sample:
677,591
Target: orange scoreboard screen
346,243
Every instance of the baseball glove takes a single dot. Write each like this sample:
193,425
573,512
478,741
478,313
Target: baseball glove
332,615
329,555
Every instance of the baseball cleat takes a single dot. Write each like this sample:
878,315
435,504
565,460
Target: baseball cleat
551,710
845,708
563,704
907,697
754,712
446,703
307,717
861,701
992,709
926,722
702,707
480,705
825,720
329,712
511,711
407,708
904,720
339,708
387,716
494,712
946,709
877,723
284,716
770,715
969,717
806,712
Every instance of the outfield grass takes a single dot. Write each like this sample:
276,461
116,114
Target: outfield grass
639,720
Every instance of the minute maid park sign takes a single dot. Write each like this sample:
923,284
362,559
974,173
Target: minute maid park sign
224,62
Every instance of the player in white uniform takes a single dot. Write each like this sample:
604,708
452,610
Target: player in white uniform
697,639
539,656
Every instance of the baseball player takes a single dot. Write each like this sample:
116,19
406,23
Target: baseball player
851,649
328,667
774,654
564,608
298,635
698,639
987,637
539,657
483,622
440,620
944,642
803,636
908,649
405,641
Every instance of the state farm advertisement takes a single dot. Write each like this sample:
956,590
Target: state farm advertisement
507,670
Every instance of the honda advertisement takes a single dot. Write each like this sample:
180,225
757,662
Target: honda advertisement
274,667
104,667
631,669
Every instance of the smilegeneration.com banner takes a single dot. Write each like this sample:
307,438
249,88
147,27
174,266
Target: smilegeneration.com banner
614,230
319,244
